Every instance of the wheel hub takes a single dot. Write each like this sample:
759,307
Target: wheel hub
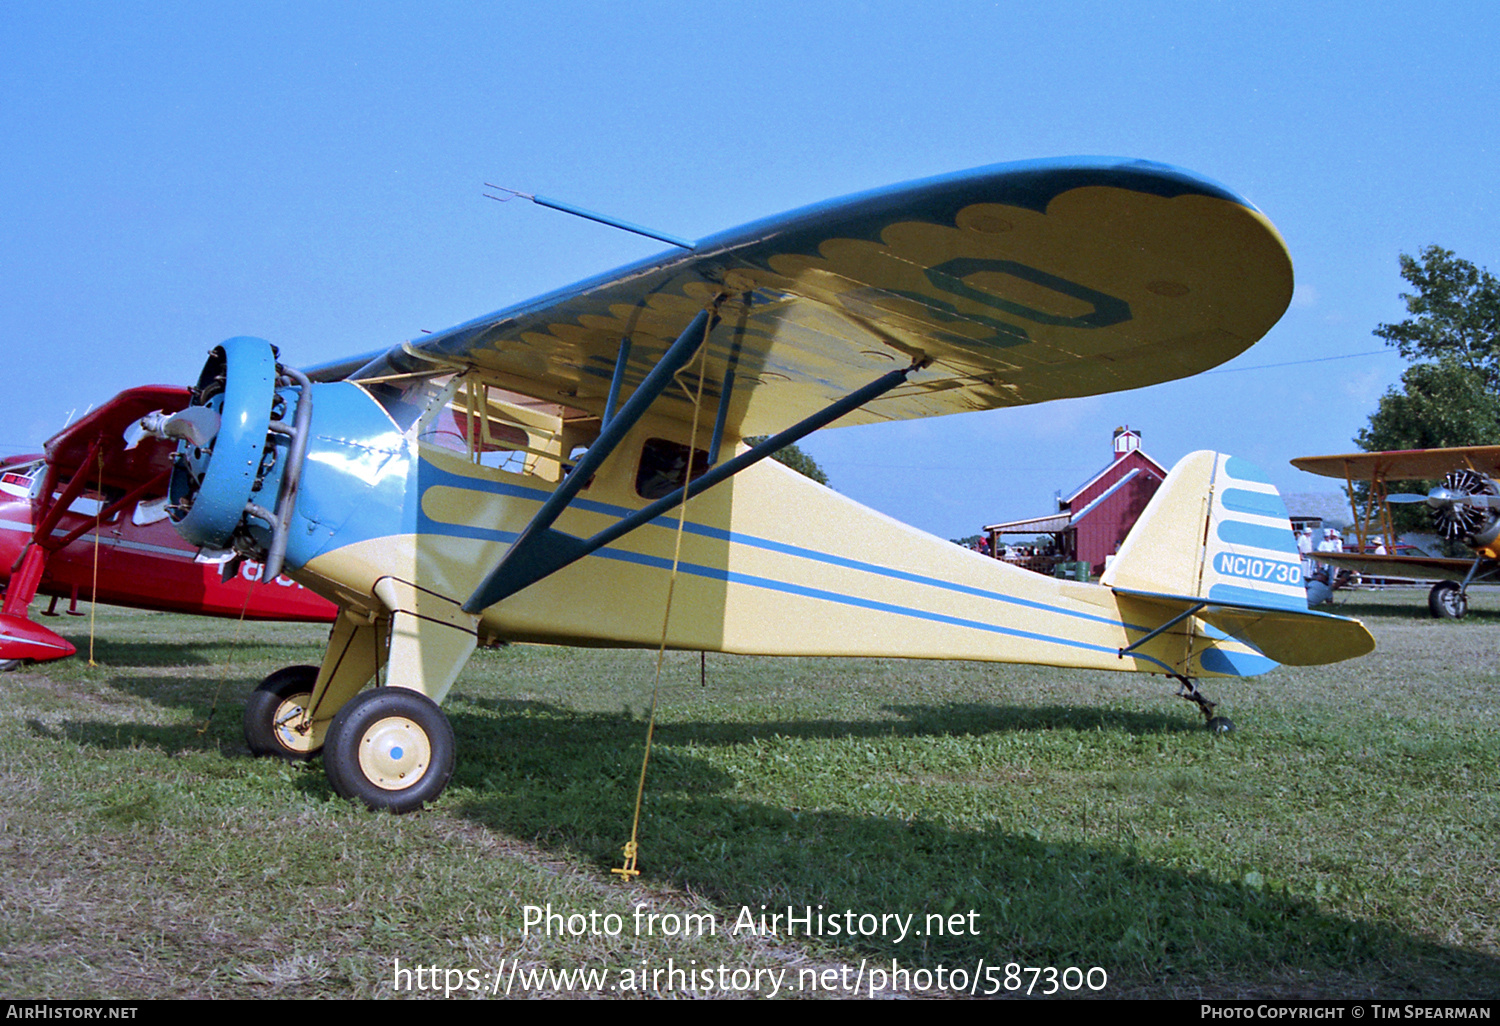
292,728
395,753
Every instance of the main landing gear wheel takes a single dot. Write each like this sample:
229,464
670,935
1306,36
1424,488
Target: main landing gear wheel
391,748
1447,601
273,716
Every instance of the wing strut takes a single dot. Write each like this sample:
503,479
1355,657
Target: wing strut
1469,577
541,551
622,362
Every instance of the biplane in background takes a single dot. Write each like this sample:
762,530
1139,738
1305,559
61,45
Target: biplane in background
87,519
515,477
1465,508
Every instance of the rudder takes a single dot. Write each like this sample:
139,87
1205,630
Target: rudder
1216,529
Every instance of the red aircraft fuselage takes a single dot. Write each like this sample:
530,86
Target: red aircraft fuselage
136,559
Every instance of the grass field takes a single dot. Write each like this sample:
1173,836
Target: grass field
1342,843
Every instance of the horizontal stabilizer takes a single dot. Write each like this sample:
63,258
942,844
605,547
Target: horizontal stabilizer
1292,637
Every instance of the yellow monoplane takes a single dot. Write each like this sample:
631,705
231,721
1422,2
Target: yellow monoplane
523,476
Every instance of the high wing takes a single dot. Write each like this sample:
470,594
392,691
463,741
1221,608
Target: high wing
1404,464
1011,284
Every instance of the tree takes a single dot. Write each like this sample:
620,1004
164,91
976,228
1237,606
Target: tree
1451,396
795,458
1455,314
1439,405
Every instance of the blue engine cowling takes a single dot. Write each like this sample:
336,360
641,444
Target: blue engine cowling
244,488
242,464
238,490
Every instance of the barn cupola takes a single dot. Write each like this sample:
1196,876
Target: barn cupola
1126,441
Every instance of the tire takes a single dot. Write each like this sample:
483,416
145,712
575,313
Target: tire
390,748
277,703
1446,601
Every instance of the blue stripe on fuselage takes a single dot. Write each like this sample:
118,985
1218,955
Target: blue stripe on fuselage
668,521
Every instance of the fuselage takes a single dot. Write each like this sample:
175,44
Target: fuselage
769,562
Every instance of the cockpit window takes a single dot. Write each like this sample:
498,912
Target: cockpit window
497,428
405,398
662,466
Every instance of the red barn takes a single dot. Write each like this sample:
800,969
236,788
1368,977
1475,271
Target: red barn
1091,523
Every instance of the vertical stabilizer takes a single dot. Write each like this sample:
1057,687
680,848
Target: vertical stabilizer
1163,552
1217,530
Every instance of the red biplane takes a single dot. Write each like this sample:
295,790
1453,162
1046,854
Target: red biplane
87,519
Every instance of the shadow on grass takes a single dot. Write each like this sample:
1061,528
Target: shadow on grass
209,652
512,724
568,780
215,710
948,718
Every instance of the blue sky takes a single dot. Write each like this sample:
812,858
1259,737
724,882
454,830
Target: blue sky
176,174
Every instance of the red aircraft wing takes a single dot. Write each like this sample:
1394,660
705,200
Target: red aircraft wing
123,468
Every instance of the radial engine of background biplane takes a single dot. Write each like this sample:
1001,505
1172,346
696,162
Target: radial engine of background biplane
1465,508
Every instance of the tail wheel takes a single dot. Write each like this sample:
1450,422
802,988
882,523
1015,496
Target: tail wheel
390,748
273,716
1447,601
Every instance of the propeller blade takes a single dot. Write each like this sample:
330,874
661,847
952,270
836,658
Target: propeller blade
135,434
1440,498
199,425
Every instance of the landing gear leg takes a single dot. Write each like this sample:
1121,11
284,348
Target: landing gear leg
392,748
1188,688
